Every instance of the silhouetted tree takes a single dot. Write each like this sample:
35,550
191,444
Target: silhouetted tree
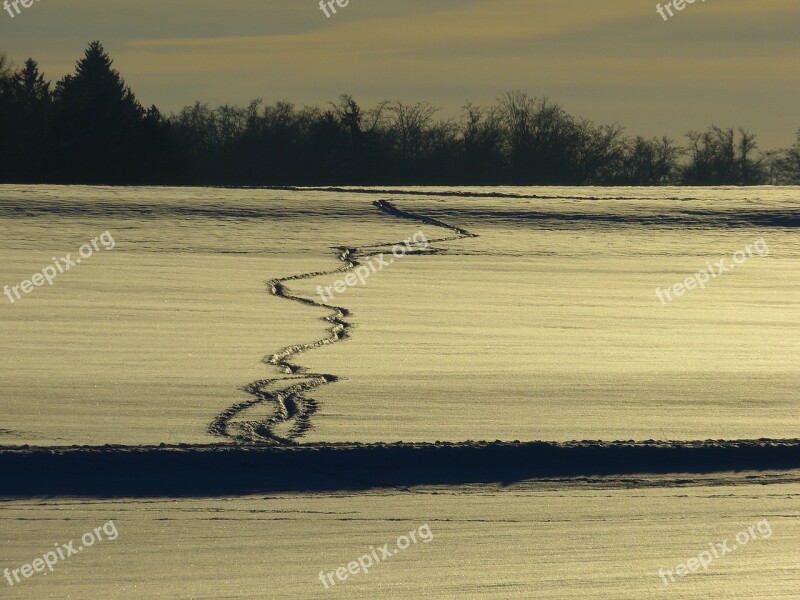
91,129
25,111
784,165
32,105
353,154
97,124
598,153
545,145
482,137
6,75
793,161
718,158
6,119
408,130
650,162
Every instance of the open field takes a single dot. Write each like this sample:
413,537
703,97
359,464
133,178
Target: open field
545,325
552,539
528,314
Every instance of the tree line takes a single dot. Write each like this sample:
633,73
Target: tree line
90,128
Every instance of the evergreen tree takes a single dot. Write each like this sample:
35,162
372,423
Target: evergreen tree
98,124
31,102
6,118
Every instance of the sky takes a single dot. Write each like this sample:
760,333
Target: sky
723,62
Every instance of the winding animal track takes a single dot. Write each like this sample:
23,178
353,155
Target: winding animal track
292,408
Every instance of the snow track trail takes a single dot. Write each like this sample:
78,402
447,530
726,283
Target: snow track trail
292,408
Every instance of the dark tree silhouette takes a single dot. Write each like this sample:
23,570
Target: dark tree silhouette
793,161
482,159
92,129
784,165
33,103
25,118
717,157
7,140
98,124
650,162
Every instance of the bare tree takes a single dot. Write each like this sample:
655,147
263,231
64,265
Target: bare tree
783,165
409,124
6,73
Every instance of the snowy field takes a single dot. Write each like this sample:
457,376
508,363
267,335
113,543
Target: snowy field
545,325
551,540
530,314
